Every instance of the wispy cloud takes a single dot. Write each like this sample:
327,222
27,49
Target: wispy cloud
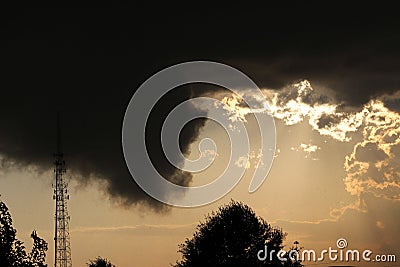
308,149
250,160
133,227
372,166
299,101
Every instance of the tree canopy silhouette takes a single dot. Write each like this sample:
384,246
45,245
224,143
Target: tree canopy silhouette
100,262
232,236
12,250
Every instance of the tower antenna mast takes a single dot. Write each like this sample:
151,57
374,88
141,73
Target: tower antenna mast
62,248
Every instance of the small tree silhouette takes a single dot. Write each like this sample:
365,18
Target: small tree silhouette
38,254
232,236
100,262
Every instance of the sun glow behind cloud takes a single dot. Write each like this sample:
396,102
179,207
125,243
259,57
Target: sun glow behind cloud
373,164
299,101
372,167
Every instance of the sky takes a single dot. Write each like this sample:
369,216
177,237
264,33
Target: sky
328,73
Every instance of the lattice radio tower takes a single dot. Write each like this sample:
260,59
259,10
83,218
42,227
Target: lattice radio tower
62,249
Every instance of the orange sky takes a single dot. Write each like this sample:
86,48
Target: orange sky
309,193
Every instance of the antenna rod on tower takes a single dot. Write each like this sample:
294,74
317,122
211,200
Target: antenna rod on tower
58,134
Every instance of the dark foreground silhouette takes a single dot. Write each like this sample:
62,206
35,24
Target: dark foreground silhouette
232,236
12,250
100,262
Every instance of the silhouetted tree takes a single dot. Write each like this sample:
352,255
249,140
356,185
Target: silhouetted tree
12,250
100,262
232,236
37,257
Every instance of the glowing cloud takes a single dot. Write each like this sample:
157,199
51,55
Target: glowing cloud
309,149
299,101
372,166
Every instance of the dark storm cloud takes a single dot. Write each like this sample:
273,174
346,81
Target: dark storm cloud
87,63
64,67
349,49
